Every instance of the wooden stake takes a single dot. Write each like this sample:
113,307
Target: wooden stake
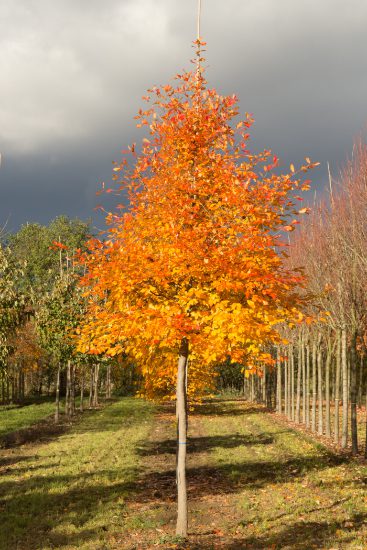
198,20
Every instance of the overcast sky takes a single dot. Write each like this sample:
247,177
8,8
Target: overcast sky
73,73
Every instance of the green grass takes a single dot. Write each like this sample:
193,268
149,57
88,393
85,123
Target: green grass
109,484
70,492
14,417
290,491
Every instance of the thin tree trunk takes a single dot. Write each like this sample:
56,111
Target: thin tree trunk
286,410
353,394
337,387
291,354
298,402
308,385
108,382
264,385
96,380
289,370
319,382
82,392
91,387
68,388
344,367
314,361
181,416
327,389
303,361
279,384
72,390
360,382
57,402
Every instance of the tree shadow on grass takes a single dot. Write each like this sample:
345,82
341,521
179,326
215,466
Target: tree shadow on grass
41,510
44,430
223,408
7,461
43,505
207,443
300,535
229,478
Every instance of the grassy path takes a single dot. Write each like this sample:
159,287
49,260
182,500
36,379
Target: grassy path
253,483
109,483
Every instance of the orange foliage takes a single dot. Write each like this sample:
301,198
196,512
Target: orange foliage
196,255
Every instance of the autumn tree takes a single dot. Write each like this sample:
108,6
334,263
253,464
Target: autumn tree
193,267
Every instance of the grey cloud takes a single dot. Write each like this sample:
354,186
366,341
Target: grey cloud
73,73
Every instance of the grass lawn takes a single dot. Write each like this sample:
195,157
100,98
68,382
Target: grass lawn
290,492
70,491
254,483
109,484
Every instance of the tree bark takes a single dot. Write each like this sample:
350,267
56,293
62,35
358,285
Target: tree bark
81,407
286,401
319,382
353,394
291,355
181,417
72,390
67,395
337,388
57,402
360,382
279,384
327,389
303,362
344,367
308,385
91,387
95,391
298,402
314,361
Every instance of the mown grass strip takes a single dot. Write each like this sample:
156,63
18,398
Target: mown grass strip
290,492
70,492
13,418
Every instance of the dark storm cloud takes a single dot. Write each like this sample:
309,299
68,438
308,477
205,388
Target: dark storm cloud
73,73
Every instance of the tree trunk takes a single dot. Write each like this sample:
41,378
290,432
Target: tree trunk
337,388
96,380
91,386
360,382
298,402
82,392
314,361
108,382
344,367
303,362
72,390
319,382
286,402
308,385
327,389
291,354
279,384
57,402
68,392
353,394
181,416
